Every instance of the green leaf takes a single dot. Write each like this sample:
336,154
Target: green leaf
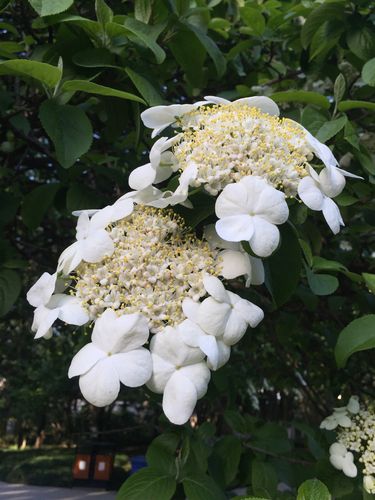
313,489
4,4
359,335
36,204
212,49
322,284
145,88
317,17
202,487
147,483
253,18
346,105
321,264
326,37
50,7
80,197
370,281
69,129
10,287
271,438
350,135
313,119
330,129
161,453
104,13
8,207
190,55
45,73
95,88
204,206
368,72
339,88
94,58
361,42
225,458
263,479
302,96
283,268
143,10
137,32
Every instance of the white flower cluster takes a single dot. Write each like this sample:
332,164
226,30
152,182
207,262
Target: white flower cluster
356,433
240,148
136,269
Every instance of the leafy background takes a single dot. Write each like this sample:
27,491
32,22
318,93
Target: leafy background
75,77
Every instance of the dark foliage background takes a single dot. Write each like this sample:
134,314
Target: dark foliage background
70,134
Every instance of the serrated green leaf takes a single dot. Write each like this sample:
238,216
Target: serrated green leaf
359,335
50,7
313,489
95,88
301,96
45,73
10,287
69,129
147,483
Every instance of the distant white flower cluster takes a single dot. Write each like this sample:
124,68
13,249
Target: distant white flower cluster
355,426
135,269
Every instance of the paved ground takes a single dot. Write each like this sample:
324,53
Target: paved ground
25,492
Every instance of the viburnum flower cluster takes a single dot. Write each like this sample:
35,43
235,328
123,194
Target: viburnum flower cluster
157,295
355,427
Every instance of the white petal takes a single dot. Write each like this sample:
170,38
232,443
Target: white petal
215,241
162,371
43,321
216,100
83,225
224,355
69,309
124,333
344,421
100,385
337,448
180,398
70,258
321,150
199,374
250,312
271,205
310,194
233,200
190,309
353,405
265,104
234,263
337,461
160,117
257,274
191,333
266,237
235,228
215,288
111,213
142,177
235,328
169,345
96,246
349,469
134,368
208,345
213,316
348,174
332,215
332,182
189,174
85,359
40,293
